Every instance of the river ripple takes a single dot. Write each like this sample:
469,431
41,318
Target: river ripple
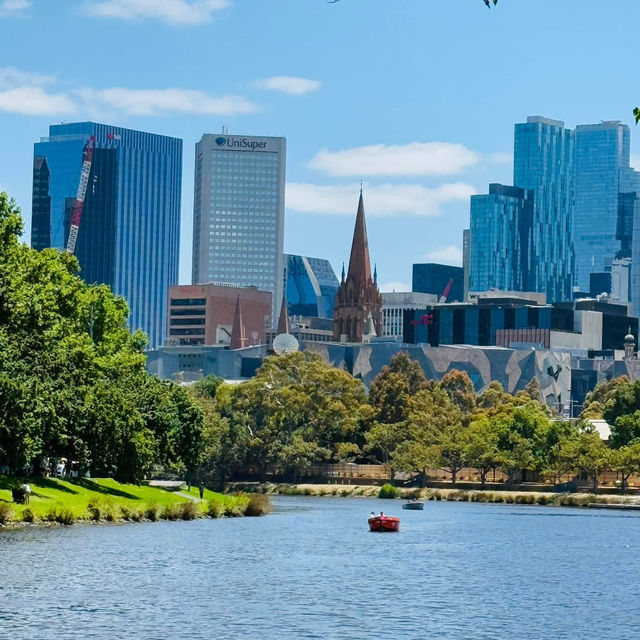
312,570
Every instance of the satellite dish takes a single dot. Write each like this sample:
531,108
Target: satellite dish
284,344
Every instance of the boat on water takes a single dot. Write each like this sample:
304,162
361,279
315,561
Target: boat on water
383,523
414,505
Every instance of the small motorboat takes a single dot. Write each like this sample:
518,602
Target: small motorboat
383,523
414,505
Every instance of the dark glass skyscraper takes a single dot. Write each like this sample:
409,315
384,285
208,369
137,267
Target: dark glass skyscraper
434,278
605,198
312,286
129,235
501,226
543,164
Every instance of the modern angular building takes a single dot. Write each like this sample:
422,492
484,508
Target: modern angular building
238,220
129,235
605,198
311,285
544,164
434,278
501,230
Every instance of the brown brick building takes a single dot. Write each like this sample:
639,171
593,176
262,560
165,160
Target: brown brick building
204,314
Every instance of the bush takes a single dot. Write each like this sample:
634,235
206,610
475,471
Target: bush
388,491
152,511
232,510
28,515
525,498
216,510
61,515
172,512
6,512
543,499
190,511
259,505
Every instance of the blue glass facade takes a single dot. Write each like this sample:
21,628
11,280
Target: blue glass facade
500,239
604,198
544,164
434,278
129,235
311,285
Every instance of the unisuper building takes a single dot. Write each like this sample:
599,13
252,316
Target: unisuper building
238,220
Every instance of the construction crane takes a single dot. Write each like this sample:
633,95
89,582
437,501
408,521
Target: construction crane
447,290
76,213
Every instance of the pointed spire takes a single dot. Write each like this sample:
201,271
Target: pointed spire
237,332
283,321
375,273
359,263
343,272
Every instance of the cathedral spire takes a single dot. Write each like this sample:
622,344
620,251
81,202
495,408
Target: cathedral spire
237,332
359,263
283,321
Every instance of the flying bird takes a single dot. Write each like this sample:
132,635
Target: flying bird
488,3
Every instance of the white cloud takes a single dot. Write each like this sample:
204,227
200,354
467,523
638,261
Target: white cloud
413,159
10,78
385,200
394,285
12,7
450,254
635,161
501,157
288,84
158,101
35,101
178,12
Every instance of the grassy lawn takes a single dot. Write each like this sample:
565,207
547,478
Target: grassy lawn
53,499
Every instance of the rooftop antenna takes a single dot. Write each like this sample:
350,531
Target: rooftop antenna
225,129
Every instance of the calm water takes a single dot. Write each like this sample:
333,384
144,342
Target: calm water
312,570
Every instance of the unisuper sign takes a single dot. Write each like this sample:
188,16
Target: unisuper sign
240,143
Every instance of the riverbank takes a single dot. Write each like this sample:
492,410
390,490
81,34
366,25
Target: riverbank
451,495
57,501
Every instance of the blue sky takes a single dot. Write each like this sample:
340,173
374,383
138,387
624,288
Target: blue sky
415,97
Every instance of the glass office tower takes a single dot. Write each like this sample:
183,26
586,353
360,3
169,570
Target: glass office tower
543,163
605,198
500,242
312,286
129,235
238,220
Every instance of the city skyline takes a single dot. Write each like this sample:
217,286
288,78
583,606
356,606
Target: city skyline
337,105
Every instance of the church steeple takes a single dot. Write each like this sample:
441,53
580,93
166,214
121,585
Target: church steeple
358,298
283,320
359,263
237,331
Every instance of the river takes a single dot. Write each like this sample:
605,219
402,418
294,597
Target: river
312,570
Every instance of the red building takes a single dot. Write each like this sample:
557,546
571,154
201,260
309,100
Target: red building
206,314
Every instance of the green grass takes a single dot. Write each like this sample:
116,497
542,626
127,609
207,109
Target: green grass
65,501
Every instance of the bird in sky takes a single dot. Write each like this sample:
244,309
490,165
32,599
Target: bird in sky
487,2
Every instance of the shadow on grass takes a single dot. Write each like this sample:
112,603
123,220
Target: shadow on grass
90,485
43,483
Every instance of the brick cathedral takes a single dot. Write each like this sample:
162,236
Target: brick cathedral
357,313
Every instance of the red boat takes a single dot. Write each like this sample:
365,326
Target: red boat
384,523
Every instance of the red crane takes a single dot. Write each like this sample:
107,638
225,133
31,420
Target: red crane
445,293
76,214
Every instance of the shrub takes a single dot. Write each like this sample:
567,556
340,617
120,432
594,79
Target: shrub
388,491
543,499
525,498
232,510
6,512
61,515
172,512
216,510
259,505
152,511
189,511
28,515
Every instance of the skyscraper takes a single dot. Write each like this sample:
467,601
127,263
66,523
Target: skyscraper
129,236
501,228
312,286
605,197
543,163
433,278
238,220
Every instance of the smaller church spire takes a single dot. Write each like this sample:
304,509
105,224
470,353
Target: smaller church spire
283,321
237,331
375,273
343,272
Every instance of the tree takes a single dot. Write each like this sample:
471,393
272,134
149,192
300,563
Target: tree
460,390
626,461
586,453
481,446
625,430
